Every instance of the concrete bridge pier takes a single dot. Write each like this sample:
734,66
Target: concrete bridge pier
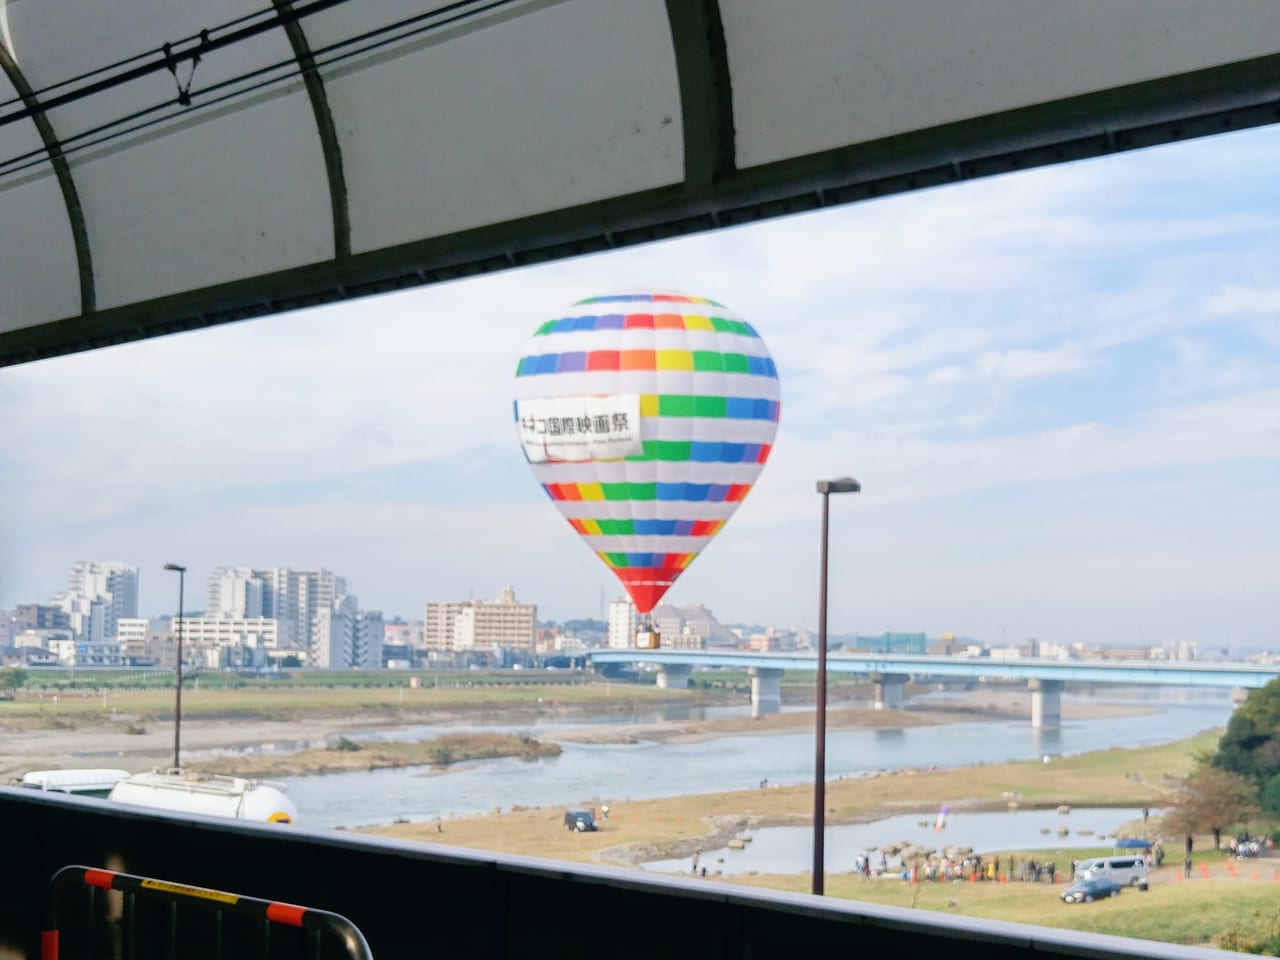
766,690
889,690
674,676
1046,703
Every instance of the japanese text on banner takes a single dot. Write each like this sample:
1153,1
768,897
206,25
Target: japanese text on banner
580,428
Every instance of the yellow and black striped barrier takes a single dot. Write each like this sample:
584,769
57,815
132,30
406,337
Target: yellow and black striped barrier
318,922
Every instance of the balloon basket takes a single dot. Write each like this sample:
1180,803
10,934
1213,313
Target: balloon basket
647,637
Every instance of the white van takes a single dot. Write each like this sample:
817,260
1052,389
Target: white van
1127,871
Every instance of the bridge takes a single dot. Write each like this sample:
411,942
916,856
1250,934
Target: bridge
889,673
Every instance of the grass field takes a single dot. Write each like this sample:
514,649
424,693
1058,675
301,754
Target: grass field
1193,912
292,701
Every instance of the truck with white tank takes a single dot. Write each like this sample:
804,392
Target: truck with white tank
175,790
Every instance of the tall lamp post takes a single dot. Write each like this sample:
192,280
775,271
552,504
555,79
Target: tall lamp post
177,710
825,488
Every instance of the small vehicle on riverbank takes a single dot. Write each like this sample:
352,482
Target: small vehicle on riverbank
580,820
1125,871
1087,891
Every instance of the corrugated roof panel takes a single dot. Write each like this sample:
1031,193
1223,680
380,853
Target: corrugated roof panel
505,117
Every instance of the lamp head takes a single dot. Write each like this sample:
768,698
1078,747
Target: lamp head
840,485
175,567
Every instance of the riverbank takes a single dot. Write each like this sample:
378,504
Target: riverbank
288,735
671,828
134,730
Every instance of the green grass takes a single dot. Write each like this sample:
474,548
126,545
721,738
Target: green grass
1194,912
290,700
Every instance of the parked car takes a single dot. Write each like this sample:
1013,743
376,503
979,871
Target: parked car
1129,871
1087,891
580,820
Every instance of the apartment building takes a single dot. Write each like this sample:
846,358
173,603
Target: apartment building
98,594
457,626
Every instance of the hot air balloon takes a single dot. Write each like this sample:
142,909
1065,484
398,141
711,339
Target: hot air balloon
647,417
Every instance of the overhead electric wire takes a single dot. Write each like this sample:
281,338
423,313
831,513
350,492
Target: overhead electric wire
140,56
76,143
169,57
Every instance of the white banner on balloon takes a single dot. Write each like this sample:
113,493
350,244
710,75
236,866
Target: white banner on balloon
580,428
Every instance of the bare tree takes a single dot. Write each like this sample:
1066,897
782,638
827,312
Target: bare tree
1210,799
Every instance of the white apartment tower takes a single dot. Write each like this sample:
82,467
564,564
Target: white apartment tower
622,624
347,637
235,593
460,625
98,595
281,593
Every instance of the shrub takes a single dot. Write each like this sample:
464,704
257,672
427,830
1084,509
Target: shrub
345,745
1236,941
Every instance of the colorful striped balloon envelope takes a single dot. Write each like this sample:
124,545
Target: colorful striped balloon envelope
647,417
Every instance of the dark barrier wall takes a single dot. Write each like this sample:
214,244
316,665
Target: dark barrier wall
419,900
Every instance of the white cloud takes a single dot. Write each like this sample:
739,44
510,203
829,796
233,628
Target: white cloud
912,335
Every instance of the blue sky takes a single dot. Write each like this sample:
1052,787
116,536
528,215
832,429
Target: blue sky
1058,388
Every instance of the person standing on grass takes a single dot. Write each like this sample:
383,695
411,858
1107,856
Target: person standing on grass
1186,866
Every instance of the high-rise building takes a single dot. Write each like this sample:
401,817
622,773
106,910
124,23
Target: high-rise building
622,624
235,593
280,593
98,595
458,626
347,637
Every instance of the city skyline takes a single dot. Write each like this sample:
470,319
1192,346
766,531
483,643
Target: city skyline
1056,387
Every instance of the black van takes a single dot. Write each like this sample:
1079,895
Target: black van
580,820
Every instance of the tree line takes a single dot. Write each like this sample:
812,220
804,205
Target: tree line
1239,781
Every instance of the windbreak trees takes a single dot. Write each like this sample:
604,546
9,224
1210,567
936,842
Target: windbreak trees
1251,745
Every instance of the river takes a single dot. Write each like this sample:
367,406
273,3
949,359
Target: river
590,773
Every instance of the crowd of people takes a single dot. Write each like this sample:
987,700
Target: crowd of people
968,868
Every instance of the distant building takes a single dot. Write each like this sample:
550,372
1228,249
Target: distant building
39,639
622,624
78,652
40,616
143,646
236,592
570,646
282,593
404,634
683,641
461,626
98,595
347,637
215,643
265,632
897,643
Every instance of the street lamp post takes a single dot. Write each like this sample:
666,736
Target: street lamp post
177,710
826,488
